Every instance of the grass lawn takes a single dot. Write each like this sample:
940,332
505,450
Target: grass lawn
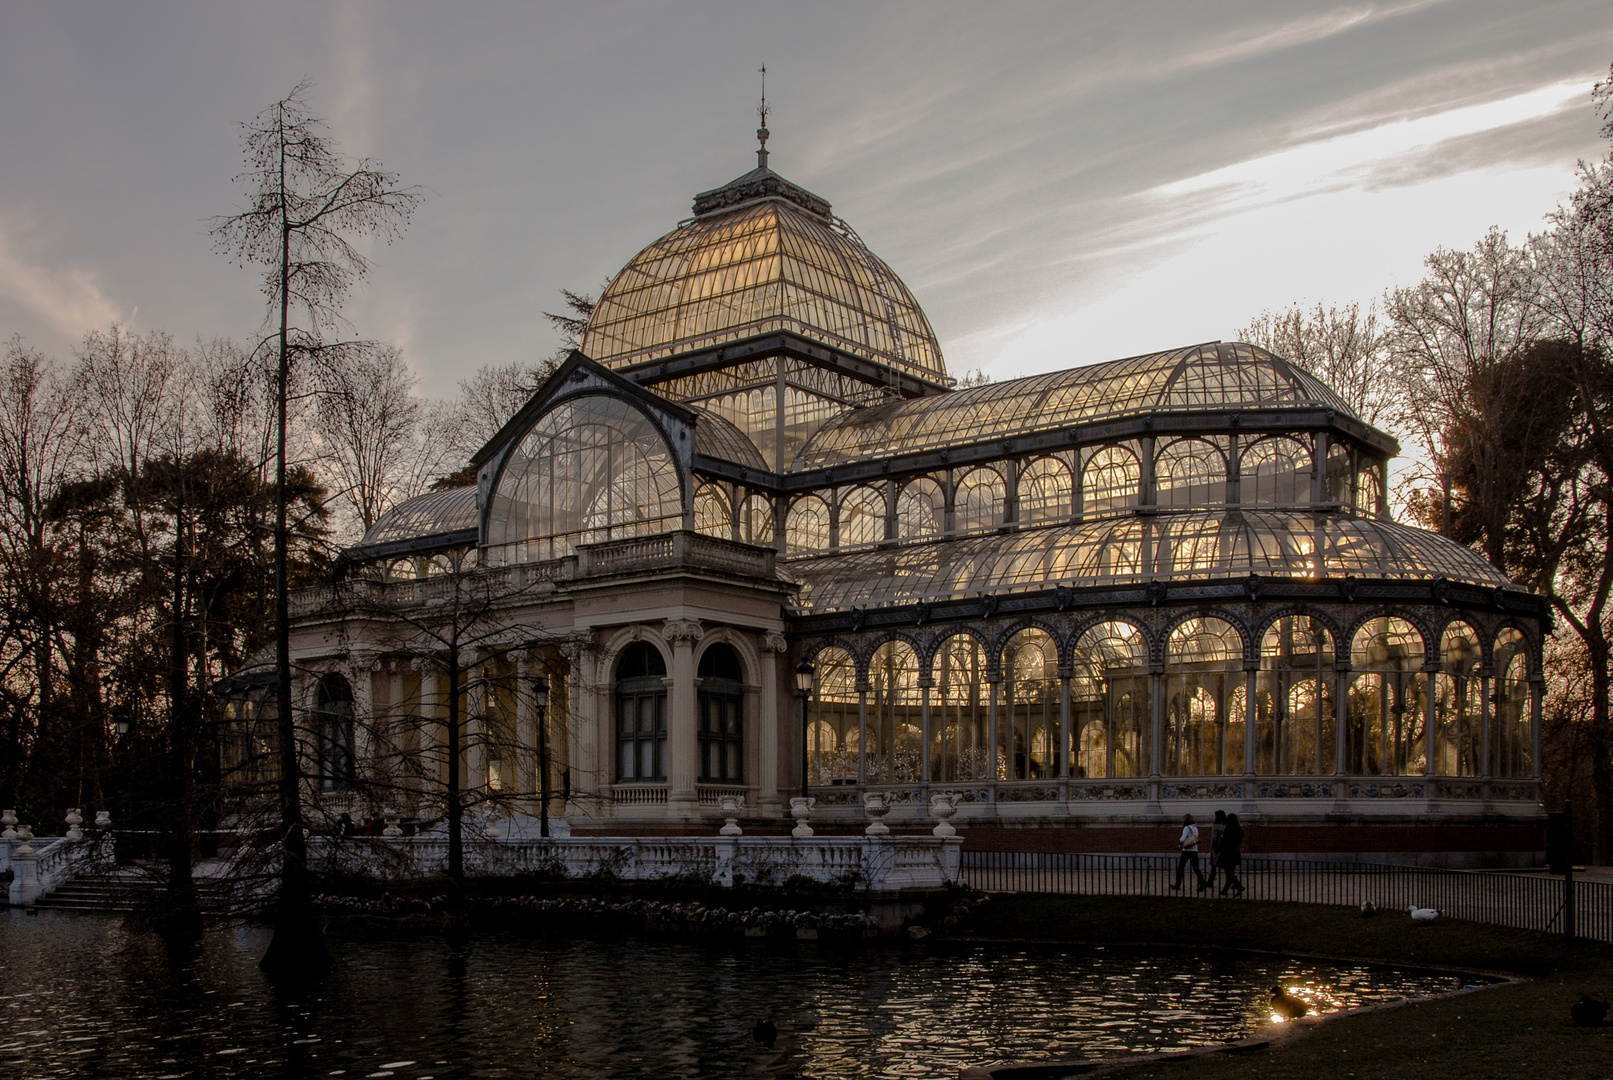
1518,1030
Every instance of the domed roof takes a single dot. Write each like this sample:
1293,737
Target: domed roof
761,255
432,514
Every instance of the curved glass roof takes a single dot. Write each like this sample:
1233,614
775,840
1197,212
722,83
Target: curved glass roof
716,436
763,258
449,510
1201,546
1216,375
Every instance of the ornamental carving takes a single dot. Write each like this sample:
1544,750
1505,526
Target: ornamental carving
682,631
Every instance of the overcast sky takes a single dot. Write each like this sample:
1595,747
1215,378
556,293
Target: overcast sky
1057,183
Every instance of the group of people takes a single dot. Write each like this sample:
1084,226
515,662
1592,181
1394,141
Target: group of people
1226,852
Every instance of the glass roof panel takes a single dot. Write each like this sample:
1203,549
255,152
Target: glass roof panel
435,512
1190,547
715,436
1212,376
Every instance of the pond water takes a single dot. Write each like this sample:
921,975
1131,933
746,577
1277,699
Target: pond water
82,996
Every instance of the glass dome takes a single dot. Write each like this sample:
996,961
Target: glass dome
1216,375
761,255
1188,547
431,514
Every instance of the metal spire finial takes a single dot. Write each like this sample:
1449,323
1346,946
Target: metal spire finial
762,132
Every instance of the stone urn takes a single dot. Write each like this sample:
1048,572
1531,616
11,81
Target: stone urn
732,805
876,805
103,819
801,811
391,817
74,818
24,834
8,818
943,805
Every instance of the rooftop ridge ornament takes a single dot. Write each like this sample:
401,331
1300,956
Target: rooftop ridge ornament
762,132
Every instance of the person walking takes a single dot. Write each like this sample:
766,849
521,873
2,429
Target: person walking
1218,828
1188,846
1230,855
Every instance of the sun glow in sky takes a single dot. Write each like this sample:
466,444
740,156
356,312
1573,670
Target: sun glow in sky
1057,183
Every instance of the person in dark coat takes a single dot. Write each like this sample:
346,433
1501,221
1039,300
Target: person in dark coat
1217,830
1230,855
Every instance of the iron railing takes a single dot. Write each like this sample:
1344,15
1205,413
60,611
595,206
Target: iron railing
1523,901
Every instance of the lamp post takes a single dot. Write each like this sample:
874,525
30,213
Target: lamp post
803,686
540,702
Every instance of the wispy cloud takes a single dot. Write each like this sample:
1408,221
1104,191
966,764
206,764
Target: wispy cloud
70,301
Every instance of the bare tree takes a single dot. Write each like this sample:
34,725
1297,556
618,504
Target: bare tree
1344,346
308,208
487,400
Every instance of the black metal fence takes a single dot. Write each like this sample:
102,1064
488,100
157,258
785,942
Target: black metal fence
1523,901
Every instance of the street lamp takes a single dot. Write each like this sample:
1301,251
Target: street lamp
540,702
803,686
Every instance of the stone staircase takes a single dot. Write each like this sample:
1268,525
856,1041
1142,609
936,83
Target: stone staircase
125,889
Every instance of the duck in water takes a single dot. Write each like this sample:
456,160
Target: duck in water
1286,1005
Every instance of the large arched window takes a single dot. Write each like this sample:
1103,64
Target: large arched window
807,528
1028,723
1109,709
895,731
1275,471
1190,472
593,468
333,711
712,512
1369,491
832,727
1387,700
1295,732
1511,734
920,509
1459,703
978,503
1046,491
862,517
641,714
1110,480
1203,669
959,710
756,521
722,716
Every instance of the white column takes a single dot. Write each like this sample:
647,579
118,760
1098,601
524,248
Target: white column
431,734
771,725
526,738
1064,726
683,733
1251,712
1341,715
365,743
1430,719
475,743
393,727
582,733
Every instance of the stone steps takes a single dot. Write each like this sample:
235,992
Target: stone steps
118,891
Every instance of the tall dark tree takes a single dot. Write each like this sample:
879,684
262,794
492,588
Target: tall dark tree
308,209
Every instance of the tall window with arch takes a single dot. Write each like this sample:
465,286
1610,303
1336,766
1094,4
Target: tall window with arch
756,521
337,765
862,517
1046,491
960,711
1203,668
1385,734
832,718
1369,490
1190,472
978,502
1275,471
1110,479
920,509
713,511
806,530
721,700
1459,703
1029,718
1295,732
641,718
1511,730
895,731
1110,702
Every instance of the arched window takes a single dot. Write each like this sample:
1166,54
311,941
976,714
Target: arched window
862,517
895,732
333,707
1028,720
1295,732
592,468
1339,475
722,716
1110,480
641,714
712,513
920,509
1046,491
1511,734
960,711
1369,491
1202,669
1275,471
1387,700
807,530
1190,472
1110,689
1459,703
832,718
978,503
756,521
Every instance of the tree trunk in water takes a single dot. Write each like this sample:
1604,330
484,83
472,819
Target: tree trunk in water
182,918
456,812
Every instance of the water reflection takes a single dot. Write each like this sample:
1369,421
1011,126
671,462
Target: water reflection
83,997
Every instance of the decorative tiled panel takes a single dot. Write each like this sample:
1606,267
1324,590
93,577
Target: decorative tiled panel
1027,794
1388,790
1458,789
1525,792
1296,789
1107,792
1213,789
